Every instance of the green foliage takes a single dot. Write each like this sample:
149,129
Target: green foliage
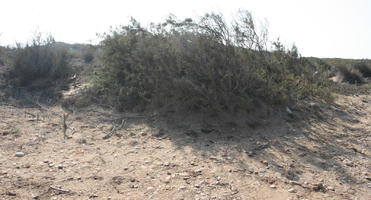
40,64
204,65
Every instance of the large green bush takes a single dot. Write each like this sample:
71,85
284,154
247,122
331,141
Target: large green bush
203,65
40,64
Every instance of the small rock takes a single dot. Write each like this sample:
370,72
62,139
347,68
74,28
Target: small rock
288,110
60,166
197,186
207,130
348,163
182,187
368,178
264,162
292,190
144,134
132,179
191,133
19,154
46,161
167,179
302,154
273,186
150,188
34,196
160,133
318,187
251,153
330,188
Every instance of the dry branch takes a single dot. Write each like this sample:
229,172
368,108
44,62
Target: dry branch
59,189
65,127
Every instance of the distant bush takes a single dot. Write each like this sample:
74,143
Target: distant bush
350,75
88,54
203,65
363,68
40,64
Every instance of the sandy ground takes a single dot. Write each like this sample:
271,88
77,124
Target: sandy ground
324,155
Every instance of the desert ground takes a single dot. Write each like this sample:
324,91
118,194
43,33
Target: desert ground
313,151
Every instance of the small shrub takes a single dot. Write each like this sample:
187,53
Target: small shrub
89,54
350,75
40,64
363,68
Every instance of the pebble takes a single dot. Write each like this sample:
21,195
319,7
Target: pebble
167,179
292,190
60,166
150,188
19,154
33,196
182,187
330,188
273,186
264,162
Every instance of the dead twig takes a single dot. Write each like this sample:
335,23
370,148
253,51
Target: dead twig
59,189
65,127
123,123
108,135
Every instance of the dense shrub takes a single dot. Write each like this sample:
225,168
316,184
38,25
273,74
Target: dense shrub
350,75
203,65
39,64
363,68
88,54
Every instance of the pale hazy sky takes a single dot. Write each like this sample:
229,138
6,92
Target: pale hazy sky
321,28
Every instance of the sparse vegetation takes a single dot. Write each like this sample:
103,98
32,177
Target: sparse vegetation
40,64
203,65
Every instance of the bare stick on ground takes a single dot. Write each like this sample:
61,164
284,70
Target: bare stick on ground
65,127
59,189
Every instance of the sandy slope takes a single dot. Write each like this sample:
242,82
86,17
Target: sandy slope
325,155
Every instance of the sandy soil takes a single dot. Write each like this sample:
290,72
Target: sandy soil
322,152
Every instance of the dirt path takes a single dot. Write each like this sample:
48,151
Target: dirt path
326,156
